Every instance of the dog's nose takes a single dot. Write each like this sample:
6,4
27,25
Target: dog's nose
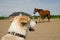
23,23
36,22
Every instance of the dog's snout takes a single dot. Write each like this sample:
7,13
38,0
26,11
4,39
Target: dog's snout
23,23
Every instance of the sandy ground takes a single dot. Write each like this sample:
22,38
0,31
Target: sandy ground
43,31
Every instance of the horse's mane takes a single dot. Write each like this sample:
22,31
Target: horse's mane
38,9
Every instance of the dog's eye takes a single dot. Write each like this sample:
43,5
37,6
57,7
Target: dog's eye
23,23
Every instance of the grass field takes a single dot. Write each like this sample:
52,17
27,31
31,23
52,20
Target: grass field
43,31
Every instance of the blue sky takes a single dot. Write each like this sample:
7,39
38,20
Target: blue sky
7,7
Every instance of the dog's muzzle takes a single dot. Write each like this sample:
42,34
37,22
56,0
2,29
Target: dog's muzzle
16,34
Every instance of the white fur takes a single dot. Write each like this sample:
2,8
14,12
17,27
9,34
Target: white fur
14,28
32,23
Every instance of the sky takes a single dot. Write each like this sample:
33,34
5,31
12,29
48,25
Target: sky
7,7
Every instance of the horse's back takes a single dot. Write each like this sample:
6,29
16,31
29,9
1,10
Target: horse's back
46,12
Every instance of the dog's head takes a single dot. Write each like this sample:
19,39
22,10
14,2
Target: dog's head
22,20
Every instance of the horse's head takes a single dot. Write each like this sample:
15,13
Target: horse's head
35,10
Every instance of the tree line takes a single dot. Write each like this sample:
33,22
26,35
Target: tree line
35,17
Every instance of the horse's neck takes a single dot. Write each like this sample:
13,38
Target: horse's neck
39,10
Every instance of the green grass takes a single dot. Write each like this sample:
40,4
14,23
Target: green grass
55,16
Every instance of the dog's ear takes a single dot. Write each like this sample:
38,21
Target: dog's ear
11,18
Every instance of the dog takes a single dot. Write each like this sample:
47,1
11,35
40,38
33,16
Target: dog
20,25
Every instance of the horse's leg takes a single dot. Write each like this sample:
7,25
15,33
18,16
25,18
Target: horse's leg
42,19
38,19
48,18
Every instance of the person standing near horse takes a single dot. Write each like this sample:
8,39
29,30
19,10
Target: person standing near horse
43,13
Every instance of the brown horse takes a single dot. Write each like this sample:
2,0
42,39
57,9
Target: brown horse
43,13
